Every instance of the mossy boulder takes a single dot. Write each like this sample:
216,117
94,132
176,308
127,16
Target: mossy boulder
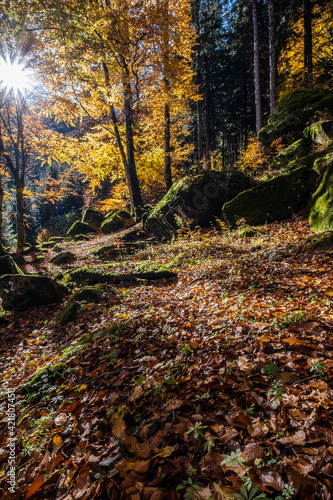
63,258
9,266
93,217
133,235
87,294
293,156
19,292
195,200
320,206
112,223
320,133
294,112
113,251
274,200
57,248
81,237
80,227
92,276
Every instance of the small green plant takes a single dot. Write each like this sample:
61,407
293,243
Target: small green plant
192,487
198,430
28,448
287,493
251,494
233,459
319,367
209,444
187,349
290,319
271,370
276,392
250,410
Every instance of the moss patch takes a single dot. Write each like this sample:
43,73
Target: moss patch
321,204
80,227
89,294
273,200
293,112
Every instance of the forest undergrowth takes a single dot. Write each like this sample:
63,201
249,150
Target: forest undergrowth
215,384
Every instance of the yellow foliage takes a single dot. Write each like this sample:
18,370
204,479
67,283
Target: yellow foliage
291,61
252,158
118,198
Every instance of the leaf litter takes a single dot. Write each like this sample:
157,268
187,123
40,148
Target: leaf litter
217,384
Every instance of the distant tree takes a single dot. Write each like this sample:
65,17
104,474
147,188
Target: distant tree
256,67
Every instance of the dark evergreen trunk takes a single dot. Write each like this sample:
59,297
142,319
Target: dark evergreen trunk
167,148
272,63
257,91
308,62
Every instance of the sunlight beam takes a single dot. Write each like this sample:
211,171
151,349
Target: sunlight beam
14,76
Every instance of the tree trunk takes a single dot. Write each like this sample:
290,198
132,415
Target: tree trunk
257,91
133,182
272,63
245,105
167,148
20,230
208,140
308,62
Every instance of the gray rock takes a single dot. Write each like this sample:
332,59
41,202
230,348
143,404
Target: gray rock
19,292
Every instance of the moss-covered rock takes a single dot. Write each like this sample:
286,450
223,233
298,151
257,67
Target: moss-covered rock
3,250
322,240
321,203
115,221
19,292
294,112
80,227
320,133
134,235
8,266
195,200
247,232
93,217
57,248
114,251
63,258
81,237
88,294
92,276
293,156
58,239
273,200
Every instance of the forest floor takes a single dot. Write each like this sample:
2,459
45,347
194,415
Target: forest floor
208,385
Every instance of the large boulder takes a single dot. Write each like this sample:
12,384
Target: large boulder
294,112
195,200
19,292
8,266
274,200
117,220
63,258
93,217
321,203
80,227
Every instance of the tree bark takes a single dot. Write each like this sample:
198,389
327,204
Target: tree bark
133,186
308,61
256,66
272,63
167,148
20,229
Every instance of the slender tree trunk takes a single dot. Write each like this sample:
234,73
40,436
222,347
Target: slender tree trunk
207,116
198,71
272,63
245,105
257,91
20,229
134,188
308,62
167,148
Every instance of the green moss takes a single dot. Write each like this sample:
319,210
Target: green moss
80,227
42,378
293,112
293,156
89,294
320,133
322,240
112,223
86,339
273,200
93,217
9,266
321,204
248,232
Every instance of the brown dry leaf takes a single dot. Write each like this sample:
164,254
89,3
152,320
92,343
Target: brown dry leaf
34,487
123,466
130,443
165,452
259,430
239,469
81,485
272,479
119,427
253,451
60,419
211,465
299,438
56,443
141,466
303,465
137,393
143,450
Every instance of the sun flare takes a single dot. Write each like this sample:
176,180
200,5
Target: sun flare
14,76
